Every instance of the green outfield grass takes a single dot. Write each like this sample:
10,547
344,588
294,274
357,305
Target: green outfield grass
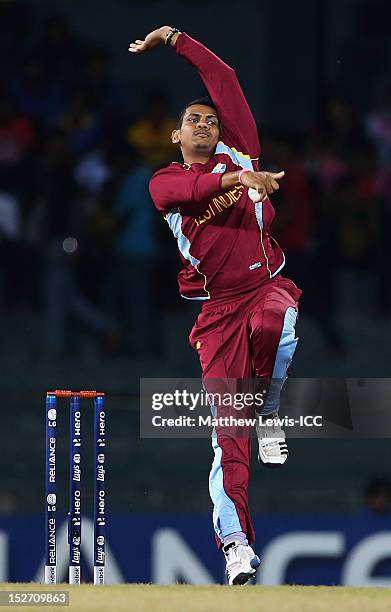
185,598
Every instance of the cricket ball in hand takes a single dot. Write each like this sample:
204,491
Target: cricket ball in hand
255,196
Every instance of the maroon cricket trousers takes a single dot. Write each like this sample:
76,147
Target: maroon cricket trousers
250,336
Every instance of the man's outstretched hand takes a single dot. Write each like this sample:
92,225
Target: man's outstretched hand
151,40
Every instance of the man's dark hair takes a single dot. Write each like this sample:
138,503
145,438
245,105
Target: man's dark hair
206,101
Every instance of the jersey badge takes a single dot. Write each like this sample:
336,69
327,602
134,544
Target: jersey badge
219,168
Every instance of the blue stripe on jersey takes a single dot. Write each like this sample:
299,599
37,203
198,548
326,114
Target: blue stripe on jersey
174,220
259,213
237,157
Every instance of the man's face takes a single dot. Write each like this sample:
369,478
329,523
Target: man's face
200,130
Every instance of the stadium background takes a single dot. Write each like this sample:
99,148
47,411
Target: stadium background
82,126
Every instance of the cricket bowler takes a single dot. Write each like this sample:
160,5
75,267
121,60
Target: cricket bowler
217,205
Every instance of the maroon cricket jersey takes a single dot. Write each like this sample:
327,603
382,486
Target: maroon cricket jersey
223,237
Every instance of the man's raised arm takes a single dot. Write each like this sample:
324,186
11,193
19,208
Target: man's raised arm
239,127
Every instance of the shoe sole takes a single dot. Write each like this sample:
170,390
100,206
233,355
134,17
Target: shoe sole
244,577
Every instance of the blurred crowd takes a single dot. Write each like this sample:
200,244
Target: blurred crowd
78,235
334,207
80,242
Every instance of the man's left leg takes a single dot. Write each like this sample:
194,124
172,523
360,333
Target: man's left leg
273,339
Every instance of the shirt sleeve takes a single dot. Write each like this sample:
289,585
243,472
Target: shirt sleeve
174,187
239,127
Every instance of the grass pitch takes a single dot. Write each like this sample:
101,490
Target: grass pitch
186,598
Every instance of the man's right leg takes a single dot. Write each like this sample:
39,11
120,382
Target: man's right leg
221,339
228,487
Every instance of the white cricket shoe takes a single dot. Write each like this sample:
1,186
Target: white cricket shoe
273,449
241,563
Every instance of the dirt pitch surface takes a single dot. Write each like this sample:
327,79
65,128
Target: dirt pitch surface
186,598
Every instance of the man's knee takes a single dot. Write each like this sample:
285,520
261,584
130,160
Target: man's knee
269,323
274,343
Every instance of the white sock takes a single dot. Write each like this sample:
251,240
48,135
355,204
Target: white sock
238,536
